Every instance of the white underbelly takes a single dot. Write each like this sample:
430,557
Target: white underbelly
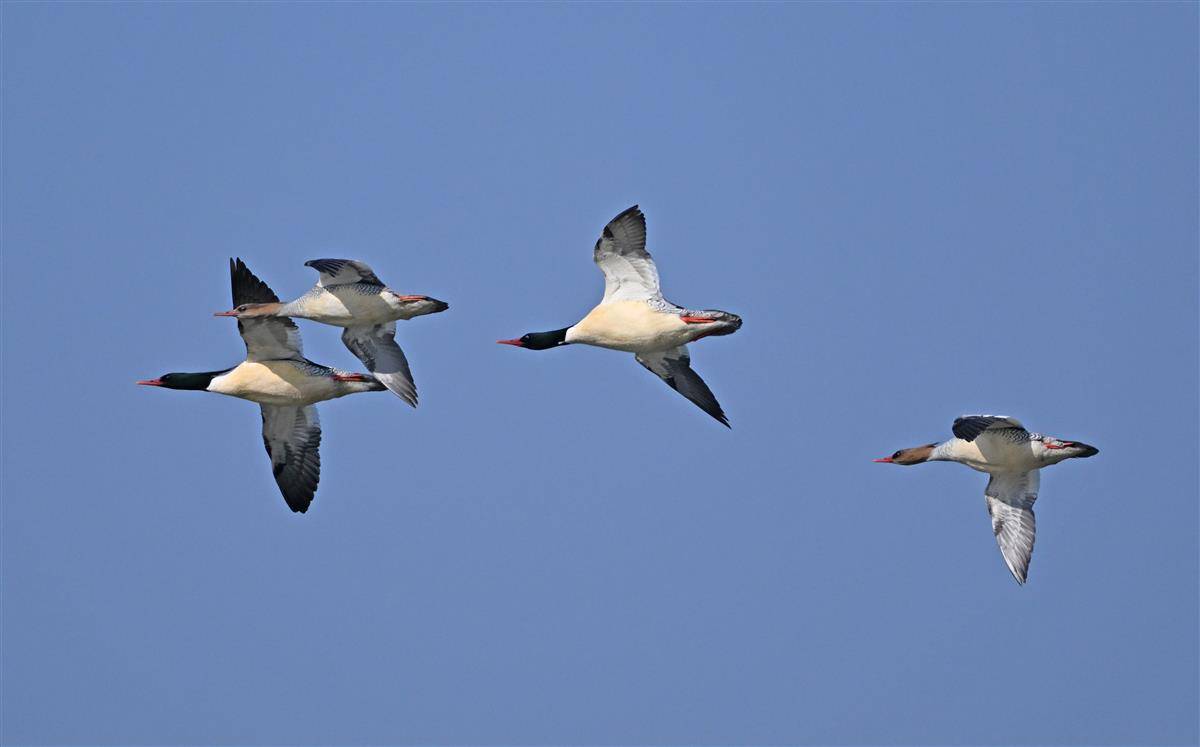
273,383
996,457
346,308
632,326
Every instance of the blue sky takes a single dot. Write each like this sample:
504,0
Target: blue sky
919,211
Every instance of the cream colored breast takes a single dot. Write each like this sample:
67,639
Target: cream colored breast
632,326
967,452
988,454
272,383
323,307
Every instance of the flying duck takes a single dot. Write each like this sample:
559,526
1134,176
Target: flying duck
1001,447
277,376
348,294
633,315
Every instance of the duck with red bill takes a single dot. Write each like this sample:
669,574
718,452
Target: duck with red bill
350,295
285,385
1013,457
634,317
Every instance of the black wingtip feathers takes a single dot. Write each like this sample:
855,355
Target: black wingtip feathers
246,286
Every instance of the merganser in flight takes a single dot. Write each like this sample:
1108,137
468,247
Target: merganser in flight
1013,456
633,315
277,376
348,294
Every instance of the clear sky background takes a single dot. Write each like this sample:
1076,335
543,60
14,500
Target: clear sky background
919,210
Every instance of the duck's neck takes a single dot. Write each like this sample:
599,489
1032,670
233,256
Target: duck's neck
943,452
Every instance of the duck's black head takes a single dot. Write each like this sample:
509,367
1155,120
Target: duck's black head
198,381
539,340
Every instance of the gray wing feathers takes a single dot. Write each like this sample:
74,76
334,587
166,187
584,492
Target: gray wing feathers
629,271
376,347
266,338
342,272
1010,498
271,339
674,368
968,427
292,436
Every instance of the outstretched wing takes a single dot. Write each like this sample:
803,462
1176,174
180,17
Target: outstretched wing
267,338
629,271
342,272
292,436
969,427
674,367
375,346
1010,497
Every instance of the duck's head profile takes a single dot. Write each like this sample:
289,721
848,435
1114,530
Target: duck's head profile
907,457
195,381
251,310
411,306
1055,450
539,340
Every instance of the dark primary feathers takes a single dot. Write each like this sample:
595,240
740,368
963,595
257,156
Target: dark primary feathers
674,368
968,427
292,436
343,271
627,232
267,338
246,287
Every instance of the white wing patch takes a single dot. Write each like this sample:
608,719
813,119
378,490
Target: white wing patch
1010,497
620,252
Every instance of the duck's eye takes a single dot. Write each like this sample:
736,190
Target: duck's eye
896,455
241,308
